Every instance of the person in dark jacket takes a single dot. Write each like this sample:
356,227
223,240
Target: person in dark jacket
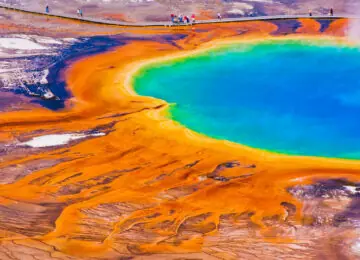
186,19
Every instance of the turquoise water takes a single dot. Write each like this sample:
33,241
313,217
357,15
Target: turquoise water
290,97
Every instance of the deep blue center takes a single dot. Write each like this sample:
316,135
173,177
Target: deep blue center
286,96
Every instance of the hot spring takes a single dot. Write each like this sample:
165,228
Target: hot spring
289,96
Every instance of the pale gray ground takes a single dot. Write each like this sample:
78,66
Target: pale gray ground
25,60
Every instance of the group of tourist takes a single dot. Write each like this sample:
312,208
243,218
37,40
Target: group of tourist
182,19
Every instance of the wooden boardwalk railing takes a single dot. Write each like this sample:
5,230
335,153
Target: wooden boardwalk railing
168,23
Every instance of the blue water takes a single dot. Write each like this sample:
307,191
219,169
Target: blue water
291,97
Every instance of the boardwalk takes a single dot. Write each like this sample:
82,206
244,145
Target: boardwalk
168,23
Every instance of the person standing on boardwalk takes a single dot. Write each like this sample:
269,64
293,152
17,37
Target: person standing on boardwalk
310,13
193,18
331,12
186,19
219,16
47,9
